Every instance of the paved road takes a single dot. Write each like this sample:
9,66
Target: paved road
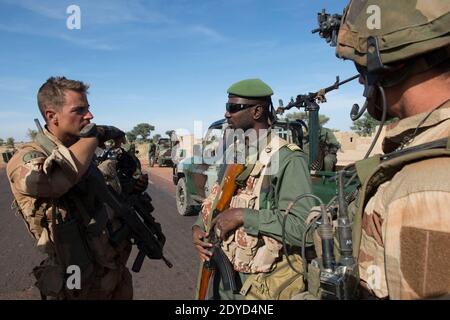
155,281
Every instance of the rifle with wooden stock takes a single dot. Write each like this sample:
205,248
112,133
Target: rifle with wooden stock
219,260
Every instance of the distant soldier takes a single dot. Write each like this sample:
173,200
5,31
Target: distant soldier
151,153
327,153
56,188
251,229
402,226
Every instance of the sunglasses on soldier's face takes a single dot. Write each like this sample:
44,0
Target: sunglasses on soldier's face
235,107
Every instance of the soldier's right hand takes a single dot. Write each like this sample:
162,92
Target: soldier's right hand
202,247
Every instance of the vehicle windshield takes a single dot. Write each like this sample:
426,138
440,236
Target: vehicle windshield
164,142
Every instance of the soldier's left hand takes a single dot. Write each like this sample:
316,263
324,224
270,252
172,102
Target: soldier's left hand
141,184
227,221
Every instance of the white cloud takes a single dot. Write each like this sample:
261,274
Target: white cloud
207,32
89,43
96,12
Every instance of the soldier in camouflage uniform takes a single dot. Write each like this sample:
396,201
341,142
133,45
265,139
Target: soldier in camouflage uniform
403,239
55,186
251,229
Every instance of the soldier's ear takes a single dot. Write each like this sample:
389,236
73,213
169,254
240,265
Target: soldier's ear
258,112
51,116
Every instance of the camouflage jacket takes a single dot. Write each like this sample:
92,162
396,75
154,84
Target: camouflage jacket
405,241
43,184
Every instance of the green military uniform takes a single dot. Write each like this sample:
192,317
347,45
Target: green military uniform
263,221
151,153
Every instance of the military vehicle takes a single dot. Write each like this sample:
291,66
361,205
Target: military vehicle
194,178
7,155
163,153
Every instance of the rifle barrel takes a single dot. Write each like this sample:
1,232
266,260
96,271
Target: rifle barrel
338,84
38,125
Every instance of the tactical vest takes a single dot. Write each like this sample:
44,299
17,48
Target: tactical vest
247,253
79,222
373,172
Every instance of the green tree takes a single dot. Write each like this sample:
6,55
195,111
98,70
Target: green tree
169,132
156,137
143,130
130,136
31,134
2,141
365,125
323,119
10,142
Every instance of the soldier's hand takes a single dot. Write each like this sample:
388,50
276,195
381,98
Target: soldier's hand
227,221
198,235
141,184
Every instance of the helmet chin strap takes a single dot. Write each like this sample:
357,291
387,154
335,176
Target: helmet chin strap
356,113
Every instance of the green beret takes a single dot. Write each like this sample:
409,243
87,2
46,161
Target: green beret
250,88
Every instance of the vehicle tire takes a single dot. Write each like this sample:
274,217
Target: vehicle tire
151,161
182,198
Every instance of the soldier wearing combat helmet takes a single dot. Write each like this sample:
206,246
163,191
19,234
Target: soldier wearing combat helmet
251,229
402,227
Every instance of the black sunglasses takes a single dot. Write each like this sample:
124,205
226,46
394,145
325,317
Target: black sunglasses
235,107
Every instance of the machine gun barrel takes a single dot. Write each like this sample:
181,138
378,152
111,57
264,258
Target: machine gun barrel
303,99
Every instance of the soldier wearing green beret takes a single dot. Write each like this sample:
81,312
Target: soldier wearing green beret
251,229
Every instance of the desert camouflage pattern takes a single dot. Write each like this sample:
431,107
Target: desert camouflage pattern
405,242
407,28
35,180
246,252
109,171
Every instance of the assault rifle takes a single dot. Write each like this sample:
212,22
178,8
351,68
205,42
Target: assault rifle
135,212
138,224
219,260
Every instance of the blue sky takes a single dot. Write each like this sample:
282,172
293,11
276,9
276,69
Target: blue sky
166,62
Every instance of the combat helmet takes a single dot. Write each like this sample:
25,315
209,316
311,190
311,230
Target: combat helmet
408,36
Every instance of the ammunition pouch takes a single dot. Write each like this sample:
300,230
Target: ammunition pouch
282,283
72,249
49,279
